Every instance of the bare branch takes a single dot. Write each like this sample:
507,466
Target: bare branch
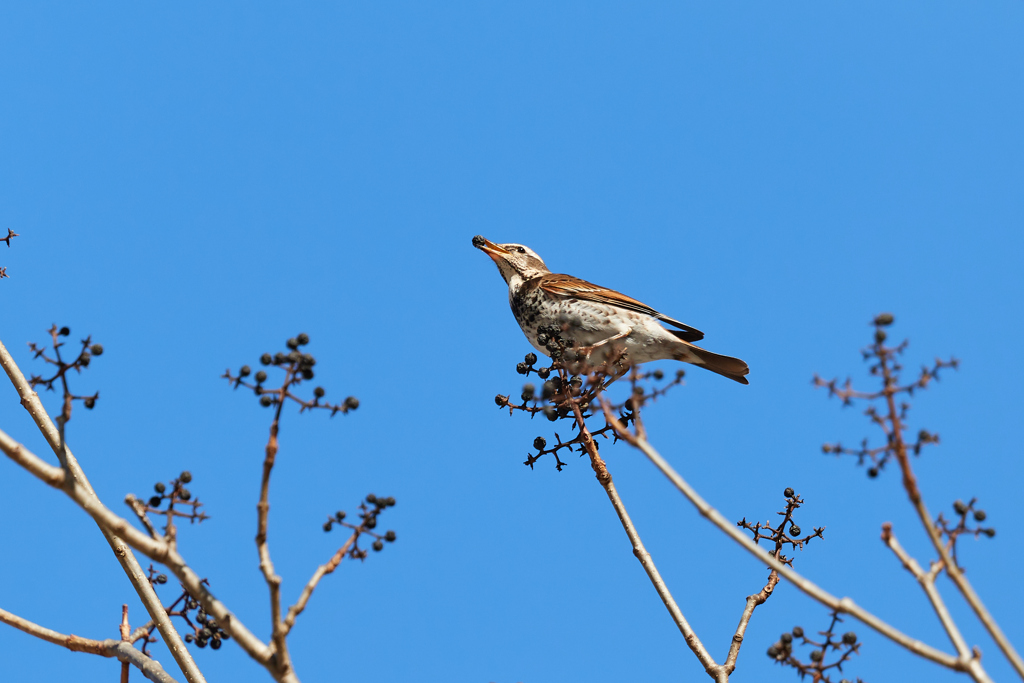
120,649
307,592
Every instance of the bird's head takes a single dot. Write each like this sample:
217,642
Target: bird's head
513,260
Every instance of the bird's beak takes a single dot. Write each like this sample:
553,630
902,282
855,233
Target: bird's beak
490,248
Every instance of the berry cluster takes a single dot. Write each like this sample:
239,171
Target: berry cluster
85,355
786,532
204,628
840,648
962,526
892,416
369,510
297,367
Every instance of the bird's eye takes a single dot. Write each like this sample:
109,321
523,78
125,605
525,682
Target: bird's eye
521,250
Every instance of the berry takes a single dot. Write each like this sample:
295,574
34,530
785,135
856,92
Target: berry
370,498
522,368
64,331
390,536
215,642
544,373
979,515
308,360
773,651
184,493
279,358
266,359
960,508
786,637
319,392
339,515
292,343
849,638
327,525
989,532
798,632
370,522
550,413
185,477
85,360
266,401
155,501
307,374
161,578
261,377
90,403
789,492
500,400
97,349
201,641
542,339
530,358
245,371
880,336
548,389
539,443
873,472
816,656
378,545
303,339
189,637
658,374
794,530
351,402
884,319
159,487
680,374
390,501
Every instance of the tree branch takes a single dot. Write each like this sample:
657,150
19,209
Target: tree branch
74,476
322,571
120,649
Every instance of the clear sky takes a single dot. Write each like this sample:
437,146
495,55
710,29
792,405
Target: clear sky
196,182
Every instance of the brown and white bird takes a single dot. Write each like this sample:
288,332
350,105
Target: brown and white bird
602,324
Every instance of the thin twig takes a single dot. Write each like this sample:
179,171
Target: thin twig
75,478
322,571
110,647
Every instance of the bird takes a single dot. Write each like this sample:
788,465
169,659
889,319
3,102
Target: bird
601,325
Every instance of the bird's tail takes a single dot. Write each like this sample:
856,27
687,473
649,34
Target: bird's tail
726,366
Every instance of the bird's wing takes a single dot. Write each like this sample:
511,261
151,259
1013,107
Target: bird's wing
569,287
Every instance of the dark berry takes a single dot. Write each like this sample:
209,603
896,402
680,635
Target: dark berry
85,360
849,638
97,349
378,545
989,532
542,339
189,637
884,319
872,472
266,359
184,493
279,358
303,339
244,371
979,515
319,392
159,487
500,400
539,443
292,343
794,530
786,637
550,413
816,656
548,390
880,336
185,477
351,402
161,578
680,374
773,651
307,374
390,536
266,401
370,498
90,403
522,368
327,525
308,359
789,492
544,373
155,501
798,632
658,374
530,358
215,642
64,331
261,377
960,508
339,515
389,501
370,522
201,641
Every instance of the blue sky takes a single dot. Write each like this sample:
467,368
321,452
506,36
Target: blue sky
194,184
